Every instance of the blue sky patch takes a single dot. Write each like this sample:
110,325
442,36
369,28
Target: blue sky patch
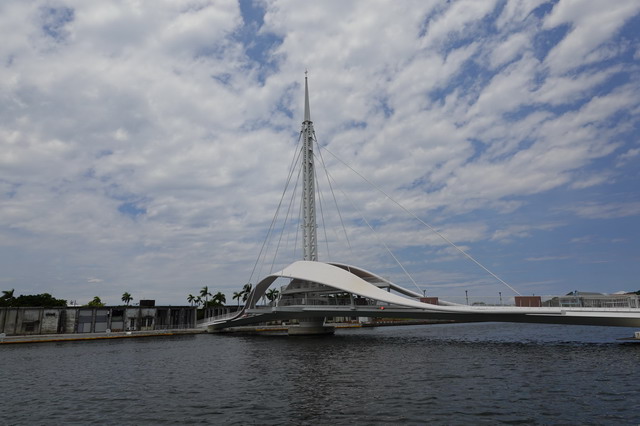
54,20
131,209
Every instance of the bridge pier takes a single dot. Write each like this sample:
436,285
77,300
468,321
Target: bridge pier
310,327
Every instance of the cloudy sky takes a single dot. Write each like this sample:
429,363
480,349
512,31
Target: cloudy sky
145,146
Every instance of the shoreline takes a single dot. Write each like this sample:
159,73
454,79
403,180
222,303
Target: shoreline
265,329
253,329
47,338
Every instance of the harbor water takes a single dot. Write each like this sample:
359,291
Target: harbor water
438,374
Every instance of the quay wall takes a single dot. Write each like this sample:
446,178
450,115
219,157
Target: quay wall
69,320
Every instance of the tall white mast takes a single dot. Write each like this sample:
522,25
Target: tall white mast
299,289
309,235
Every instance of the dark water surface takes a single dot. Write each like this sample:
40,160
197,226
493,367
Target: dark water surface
442,374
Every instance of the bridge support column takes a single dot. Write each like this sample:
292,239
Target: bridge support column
310,327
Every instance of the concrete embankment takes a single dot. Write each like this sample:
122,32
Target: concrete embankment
42,338
259,329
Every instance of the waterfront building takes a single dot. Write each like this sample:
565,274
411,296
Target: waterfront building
86,319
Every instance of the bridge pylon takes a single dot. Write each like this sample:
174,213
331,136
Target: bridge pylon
308,290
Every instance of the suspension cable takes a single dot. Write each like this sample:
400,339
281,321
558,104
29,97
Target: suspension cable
275,216
284,224
468,256
335,201
375,234
324,225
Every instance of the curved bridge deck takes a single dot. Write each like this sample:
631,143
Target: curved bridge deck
379,303
568,316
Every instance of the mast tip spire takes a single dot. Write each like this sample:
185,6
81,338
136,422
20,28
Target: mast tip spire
307,114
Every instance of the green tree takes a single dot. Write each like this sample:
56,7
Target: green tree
7,298
272,294
246,291
218,299
126,298
44,300
191,299
204,292
237,295
96,302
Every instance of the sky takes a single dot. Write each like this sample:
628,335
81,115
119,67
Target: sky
145,146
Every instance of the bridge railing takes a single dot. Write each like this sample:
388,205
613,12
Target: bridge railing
621,301
325,301
568,301
597,301
217,318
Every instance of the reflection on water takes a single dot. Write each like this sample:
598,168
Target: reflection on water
444,374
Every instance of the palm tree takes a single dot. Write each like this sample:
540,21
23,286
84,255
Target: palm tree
198,300
126,298
96,302
246,290
205,293
272,294
191,298
237,295
7,298
218,299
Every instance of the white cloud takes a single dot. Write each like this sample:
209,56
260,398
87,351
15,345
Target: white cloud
145,145
593,210
589,181
625,157
511,232
506,51
587,239
569,89
546,258
592,24
460,17
514,13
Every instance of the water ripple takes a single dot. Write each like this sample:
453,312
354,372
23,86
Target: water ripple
446,374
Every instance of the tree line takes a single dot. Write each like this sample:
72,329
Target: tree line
219,299
205,298
45,300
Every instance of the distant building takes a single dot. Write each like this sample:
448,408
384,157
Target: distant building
19,321
581,299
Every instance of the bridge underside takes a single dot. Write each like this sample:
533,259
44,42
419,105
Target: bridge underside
256,317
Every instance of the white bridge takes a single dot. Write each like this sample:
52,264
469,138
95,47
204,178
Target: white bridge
318,290
376,302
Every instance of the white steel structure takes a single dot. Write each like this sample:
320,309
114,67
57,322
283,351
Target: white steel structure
307,289
357,281
309,236
310,295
